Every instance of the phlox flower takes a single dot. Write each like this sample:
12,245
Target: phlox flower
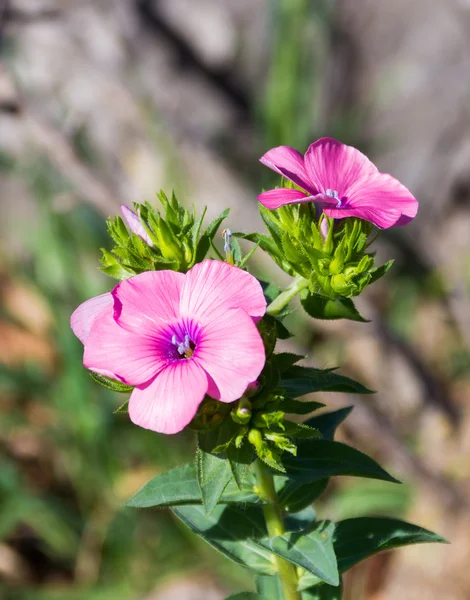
342,180
134,224
176,337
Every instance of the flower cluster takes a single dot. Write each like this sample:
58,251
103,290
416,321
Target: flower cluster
180,328
189,332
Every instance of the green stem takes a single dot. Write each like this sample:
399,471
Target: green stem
286,296
275,527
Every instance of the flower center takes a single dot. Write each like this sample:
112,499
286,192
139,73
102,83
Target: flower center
185,348
333,194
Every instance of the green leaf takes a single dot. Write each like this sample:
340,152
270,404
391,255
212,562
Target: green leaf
297,407
356,539
270,291
264,242
320,307
312,550
323,591
317,459
220,438
240,460
196,229
247,256
180,486
379,272
301,520
270,455
213,475
270,587
298,381
267,328
111,384
285,360
328,422
246,596
123,409
300,431
207,237
282,332
233,531
295,496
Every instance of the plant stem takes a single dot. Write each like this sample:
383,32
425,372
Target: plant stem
286,296
275,527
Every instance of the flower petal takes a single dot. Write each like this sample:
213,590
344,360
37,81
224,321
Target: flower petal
212,287
116,352
382,192
134,224
383,218
147,302
280,196
85,315
169,402
335,166
289,163
232,352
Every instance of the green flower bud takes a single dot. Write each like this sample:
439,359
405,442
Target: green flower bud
242,413
255,438
340,285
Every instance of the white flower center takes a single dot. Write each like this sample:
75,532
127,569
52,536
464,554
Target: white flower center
333,194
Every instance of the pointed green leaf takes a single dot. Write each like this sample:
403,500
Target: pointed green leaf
300,521
270,291
207,237
247,256
270,586
264,242
285,360
312,550
220,438
327,423
213,475
111,384
300,431
240,460
379,272
295,496
233,531
297,407
268,331
323,591
320,307
123,409
356,539
317,459
180,486
298,381
196,229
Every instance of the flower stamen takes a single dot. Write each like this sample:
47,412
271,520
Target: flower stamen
334,194
185,348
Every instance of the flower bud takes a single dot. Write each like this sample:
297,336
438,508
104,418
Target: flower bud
255,438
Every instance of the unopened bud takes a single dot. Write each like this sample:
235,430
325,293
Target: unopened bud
255,438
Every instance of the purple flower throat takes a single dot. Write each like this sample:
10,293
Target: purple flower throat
185,348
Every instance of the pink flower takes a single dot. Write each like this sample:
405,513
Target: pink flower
176,338
134,224
342,180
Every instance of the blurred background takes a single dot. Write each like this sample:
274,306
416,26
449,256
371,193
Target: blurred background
105,102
